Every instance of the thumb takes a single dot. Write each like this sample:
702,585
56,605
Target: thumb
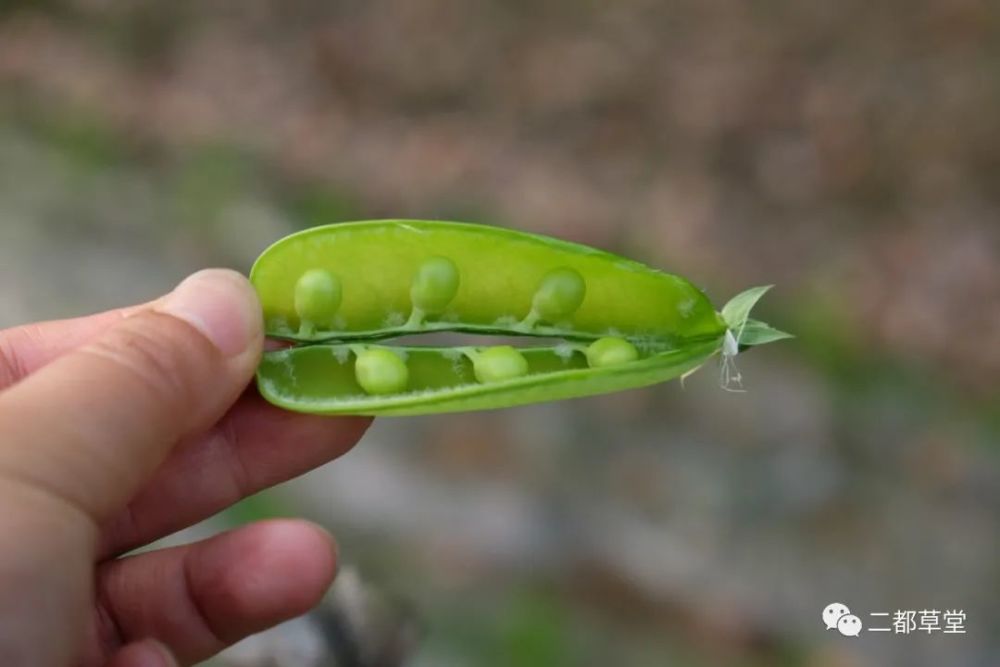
90,427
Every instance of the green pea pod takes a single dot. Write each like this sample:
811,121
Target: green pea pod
504,282
337,289
321,379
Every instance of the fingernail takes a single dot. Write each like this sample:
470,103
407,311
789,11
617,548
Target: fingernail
219,303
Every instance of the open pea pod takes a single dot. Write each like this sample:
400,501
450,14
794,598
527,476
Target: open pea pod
379,279
335,290
322,378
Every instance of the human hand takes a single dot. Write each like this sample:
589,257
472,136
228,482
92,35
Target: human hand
121,428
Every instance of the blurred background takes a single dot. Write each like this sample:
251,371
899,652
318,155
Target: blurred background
847,151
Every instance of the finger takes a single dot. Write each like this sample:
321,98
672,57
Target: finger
24,349
92,425
145,653
256,445
200,598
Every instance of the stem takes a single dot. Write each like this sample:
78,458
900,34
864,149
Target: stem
416,319
529,322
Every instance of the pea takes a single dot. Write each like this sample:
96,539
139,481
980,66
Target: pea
610,351
587,294
559,295
317,298
380,371
435,285
496,364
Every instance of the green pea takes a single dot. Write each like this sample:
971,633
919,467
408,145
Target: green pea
496,364
317,297
559,295
609,351
380,371
435,285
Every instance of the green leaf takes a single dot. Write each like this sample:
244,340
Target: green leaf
756,332
736,312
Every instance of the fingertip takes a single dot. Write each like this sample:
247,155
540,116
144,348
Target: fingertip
303,547
263,573
202,597
223,306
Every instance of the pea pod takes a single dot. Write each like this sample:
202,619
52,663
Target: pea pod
336,291
495,281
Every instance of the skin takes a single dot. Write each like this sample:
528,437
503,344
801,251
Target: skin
121,428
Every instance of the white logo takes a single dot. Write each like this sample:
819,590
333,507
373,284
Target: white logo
849,625
832,614
836,616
